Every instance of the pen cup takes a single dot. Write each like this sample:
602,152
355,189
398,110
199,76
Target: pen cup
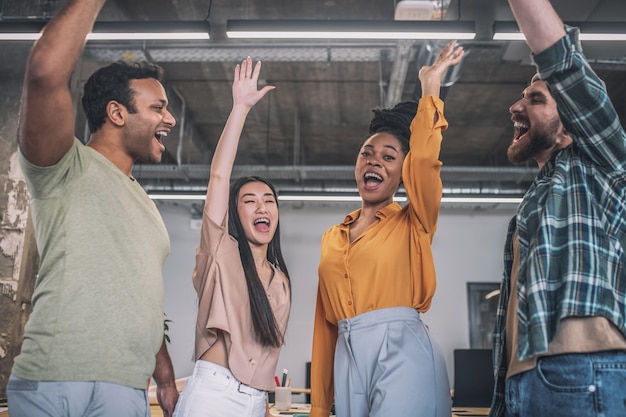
282,397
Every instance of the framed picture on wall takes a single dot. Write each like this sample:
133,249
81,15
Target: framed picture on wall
482,302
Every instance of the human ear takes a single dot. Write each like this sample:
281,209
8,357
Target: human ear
116,113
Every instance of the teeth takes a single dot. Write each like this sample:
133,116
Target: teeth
519,125
263,220
161,134
369,175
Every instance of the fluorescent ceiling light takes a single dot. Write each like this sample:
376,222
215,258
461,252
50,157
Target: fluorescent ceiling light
107,31
482,200
349,29
20,31
589,31
349,198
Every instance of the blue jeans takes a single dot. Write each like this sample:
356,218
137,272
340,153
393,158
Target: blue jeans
578,384
74,399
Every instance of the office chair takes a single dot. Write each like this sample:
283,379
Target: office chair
473,378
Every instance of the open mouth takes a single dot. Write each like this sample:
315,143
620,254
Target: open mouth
520,130
159,137
262,224
372,180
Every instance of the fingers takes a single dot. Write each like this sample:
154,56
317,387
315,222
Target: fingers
257,70
248,67
451,53
247,70
244,88
267,89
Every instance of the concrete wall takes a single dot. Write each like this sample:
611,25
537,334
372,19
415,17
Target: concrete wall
16,276
467,248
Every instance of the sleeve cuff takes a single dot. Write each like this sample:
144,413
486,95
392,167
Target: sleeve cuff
558,57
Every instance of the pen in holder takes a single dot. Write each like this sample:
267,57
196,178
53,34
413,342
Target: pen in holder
282,398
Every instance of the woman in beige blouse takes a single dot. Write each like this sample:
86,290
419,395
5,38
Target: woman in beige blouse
241,280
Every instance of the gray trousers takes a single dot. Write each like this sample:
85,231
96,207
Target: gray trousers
387,364
74,399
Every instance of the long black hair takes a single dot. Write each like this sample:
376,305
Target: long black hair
263,319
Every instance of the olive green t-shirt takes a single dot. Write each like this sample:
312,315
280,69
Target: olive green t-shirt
98,298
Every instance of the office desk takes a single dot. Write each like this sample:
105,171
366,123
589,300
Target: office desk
456,412
469,411
155,411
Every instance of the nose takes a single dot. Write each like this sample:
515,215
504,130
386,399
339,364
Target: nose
169,119
373,162
516,107
261,208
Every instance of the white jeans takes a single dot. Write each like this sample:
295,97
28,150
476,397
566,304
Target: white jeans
213,390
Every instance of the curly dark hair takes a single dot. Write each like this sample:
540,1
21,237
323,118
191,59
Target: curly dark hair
112,82
396,121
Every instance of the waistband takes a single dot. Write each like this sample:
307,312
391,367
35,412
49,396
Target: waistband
375,317
206,369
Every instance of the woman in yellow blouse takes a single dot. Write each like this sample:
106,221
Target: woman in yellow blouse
376,271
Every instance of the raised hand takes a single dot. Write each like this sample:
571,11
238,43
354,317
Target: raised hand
245,91
430,75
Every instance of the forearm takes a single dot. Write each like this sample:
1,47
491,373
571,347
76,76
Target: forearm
226,150
539,23
222,165
55,54
167,393
163,370
322,359
45,136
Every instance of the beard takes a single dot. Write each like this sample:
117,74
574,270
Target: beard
539,140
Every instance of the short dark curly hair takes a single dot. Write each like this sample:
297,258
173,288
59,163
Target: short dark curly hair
112,82
396,121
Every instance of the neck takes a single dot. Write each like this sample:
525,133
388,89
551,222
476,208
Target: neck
113,153
259,254
545,156
369,209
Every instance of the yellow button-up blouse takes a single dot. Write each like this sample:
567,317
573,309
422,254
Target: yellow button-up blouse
391,263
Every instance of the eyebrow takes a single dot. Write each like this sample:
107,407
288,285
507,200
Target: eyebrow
534,95
385,146
254,195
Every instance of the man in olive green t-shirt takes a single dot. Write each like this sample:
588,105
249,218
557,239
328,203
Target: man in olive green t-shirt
95,335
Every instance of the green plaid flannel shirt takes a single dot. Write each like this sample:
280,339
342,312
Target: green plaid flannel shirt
571,223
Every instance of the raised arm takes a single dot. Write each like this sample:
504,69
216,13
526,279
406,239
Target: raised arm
430,76
46,126
421,169
539,23
245,96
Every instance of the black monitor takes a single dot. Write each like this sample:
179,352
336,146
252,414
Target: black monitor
473,378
